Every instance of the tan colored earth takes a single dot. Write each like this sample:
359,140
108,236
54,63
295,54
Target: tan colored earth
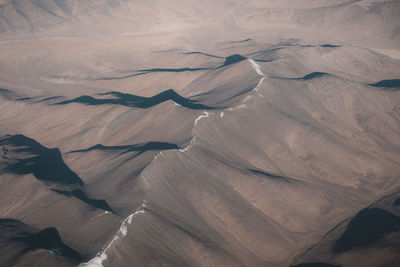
200,133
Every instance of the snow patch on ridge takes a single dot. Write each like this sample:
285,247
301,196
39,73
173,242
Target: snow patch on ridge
189,146
123,230
256,67
204,115
259,84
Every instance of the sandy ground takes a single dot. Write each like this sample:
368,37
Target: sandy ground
219,133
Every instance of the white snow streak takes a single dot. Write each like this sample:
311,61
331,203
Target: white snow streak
95,262
123,230
259,84
204,115
256,67
189,146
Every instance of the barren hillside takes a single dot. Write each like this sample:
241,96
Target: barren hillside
199,133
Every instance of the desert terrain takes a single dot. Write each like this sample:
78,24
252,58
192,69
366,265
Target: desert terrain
200,133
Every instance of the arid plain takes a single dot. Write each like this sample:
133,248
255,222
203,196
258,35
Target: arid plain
200,133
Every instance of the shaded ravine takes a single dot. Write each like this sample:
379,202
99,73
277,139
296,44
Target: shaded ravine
118,77
367,228
270,175
46,165
130,148
387,84
79,194
201,53
138,101
362,229
329,45
232,59
309,76
228,61
241,41
49,239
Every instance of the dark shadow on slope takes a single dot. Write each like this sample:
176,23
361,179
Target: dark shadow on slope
50,98
315,264
241,41
7,94
309,76
201,53
228,61
264,60
397,202
128,148
79,194
12,96
45,164
50,239
388,84
138,101
24,99
329,45
269,175
147,102
313,75
269,55
233,59
367,228
9,230
15,231
173,70
119,77
266,52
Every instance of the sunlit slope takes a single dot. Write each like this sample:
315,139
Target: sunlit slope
228,133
